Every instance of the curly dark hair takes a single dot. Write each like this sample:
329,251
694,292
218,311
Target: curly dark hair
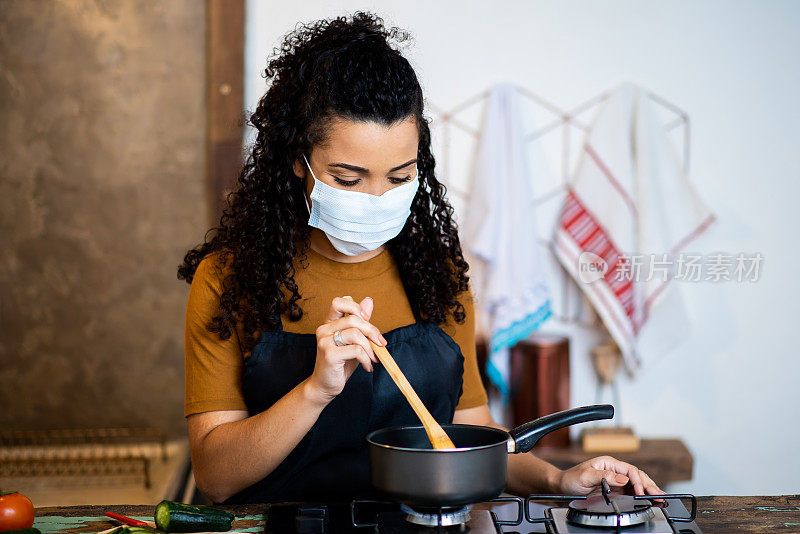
336,68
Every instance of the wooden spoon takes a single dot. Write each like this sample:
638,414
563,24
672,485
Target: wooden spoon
437,435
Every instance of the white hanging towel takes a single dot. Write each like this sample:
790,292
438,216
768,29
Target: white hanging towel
500,229
628,205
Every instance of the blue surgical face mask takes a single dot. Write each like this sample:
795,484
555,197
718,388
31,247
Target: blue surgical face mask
357,222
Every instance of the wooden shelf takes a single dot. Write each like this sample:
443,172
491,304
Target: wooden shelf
665,460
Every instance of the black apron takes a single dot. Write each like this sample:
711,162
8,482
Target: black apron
332,461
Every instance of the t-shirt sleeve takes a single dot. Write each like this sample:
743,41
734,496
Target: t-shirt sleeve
473,393
213,366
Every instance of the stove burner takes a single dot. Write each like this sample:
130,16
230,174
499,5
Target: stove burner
436,517
608,510
616,510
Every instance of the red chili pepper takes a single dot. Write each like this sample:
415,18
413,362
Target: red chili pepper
127,520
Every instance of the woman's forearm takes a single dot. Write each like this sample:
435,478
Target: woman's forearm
237,454
528,474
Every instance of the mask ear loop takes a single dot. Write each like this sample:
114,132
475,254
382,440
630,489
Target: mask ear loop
304,193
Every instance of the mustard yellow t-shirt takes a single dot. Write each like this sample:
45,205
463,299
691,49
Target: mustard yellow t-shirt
214,366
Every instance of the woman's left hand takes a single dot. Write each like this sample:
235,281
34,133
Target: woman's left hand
586,477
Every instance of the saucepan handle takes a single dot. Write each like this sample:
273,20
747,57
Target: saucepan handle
527,435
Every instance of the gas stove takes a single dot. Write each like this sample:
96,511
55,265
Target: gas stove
553,514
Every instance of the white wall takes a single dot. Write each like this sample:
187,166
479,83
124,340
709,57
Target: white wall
730,389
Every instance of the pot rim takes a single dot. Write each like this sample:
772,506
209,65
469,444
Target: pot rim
503,438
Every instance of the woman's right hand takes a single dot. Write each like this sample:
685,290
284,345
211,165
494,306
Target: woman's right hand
335,364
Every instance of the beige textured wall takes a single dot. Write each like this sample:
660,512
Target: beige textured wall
102,190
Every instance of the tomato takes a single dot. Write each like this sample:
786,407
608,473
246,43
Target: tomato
16,511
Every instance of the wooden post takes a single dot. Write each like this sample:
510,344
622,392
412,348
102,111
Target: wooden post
225,98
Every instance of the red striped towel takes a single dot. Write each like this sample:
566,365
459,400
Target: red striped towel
629,210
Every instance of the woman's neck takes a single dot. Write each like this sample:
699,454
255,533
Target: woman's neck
320,244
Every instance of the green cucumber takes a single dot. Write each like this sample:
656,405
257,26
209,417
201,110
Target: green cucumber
29,530
173,516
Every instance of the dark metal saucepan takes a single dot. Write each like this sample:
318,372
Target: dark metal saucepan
405,468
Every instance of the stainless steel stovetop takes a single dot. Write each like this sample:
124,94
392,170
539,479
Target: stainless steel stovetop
534,514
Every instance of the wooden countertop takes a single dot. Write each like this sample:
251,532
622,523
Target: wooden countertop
714,515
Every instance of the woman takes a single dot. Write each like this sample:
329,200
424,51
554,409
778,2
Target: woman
337,199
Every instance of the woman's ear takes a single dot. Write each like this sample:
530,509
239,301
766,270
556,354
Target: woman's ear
299,168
